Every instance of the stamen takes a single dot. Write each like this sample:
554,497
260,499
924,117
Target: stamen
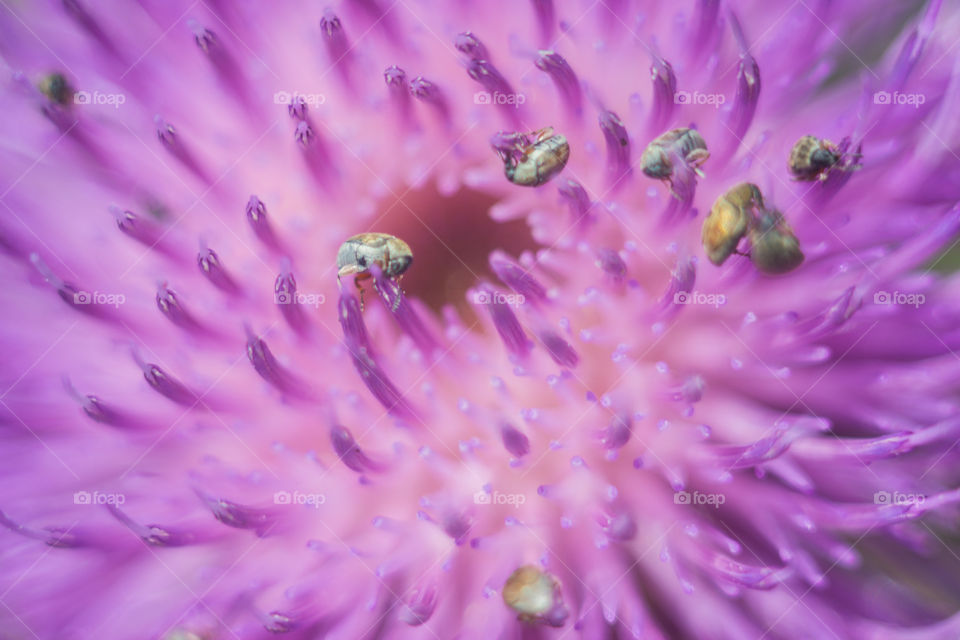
315,153
469,45
612,264
396,79
759,452
95,409
239,516
209,264
707,31
51,536
403,311
748,87
457,526
152,534
349,452
912,253
690,391
71,294
278,622
489,77
165,385
494,83
833,317
228,71
304,134
664,91
430,93
514,441
914,45
579,201
256,212
564,78
546,18
285,296
170,306
618,431
266,364
750,576
361,352
620,526
559,349
172,143
204,38
682,279
519,279
420,604
297,109
618,145
337,45
509,328
142,230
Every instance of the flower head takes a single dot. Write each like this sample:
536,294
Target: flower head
634,354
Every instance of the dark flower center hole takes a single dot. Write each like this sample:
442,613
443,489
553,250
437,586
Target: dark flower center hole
451,238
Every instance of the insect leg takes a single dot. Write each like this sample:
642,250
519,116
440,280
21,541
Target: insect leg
542,134
356,283
396,302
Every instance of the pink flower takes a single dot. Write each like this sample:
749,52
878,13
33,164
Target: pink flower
563,421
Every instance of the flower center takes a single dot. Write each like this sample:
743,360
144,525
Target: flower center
452,237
